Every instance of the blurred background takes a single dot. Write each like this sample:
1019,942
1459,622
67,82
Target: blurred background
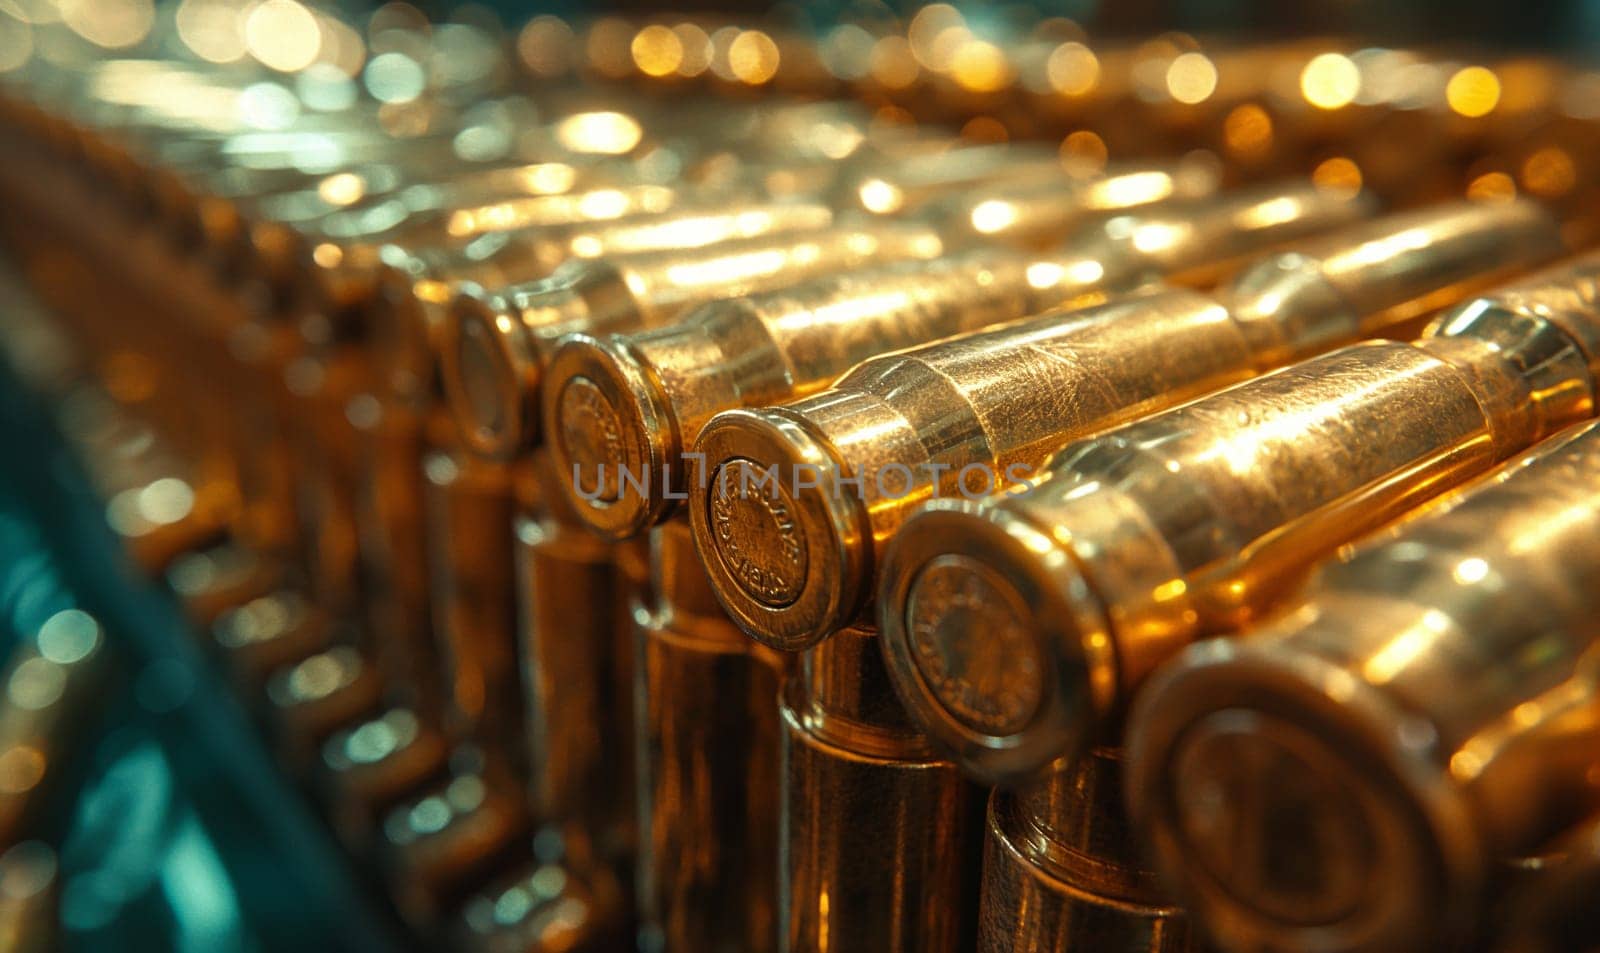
173,831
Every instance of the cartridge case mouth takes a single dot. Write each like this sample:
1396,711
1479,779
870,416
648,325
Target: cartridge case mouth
611,432
491,373
994,640
785,547
1292,806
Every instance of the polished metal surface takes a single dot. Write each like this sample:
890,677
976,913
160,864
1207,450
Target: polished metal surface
849,752
1199,520
886,438
645,476
708,742
1062,870
499,345
1400,727
662,387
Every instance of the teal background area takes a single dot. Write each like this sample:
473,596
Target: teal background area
175,831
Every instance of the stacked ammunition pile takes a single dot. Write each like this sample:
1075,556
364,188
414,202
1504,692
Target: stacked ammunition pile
688,487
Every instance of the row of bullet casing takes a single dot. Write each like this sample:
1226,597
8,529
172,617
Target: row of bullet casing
467,451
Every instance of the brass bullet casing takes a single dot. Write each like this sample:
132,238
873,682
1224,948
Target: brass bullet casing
502,226
249,218
1017,630
988,408
311,698
332,276
52,682
1553,909
469,507
1041,214
211,581
649,394
500,344
369,767
447,842
269,632
417,284
1061,871
574,639
878,836
918,180
620,411
707,741
1349,774
547,904
392,526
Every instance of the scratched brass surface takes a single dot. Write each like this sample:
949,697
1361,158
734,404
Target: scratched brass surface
1198,520
663,386
1090,368
1406,722
334,358
499,345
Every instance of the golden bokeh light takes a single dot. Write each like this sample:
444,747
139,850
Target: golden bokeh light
980,66
1191,78
601,133
1473,91
1527,85
1247,131
545,46
695,44
343,49
892,64
1073,69
753,57
1085,149
213,29
993,215
113,24
880,197
721,45
927,32
1549,172
282,35
22,767
342,188
1337,172
984,129
1330,81
1492,187
657,50
607,47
